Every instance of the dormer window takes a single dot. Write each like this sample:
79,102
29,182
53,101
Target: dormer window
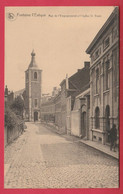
35,75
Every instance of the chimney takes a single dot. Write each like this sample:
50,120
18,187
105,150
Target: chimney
87,64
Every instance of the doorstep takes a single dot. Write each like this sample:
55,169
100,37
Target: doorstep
103,148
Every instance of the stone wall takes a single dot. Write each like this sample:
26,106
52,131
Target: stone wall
12,134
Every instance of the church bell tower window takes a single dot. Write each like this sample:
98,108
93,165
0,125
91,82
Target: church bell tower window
35,75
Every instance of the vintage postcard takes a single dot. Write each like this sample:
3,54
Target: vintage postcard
61,94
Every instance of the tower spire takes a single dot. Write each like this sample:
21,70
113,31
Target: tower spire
33,63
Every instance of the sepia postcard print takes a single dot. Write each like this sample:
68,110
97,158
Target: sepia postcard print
61,94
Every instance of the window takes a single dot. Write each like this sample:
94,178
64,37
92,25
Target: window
106,43
97,113
114,34
107,115
97,53
36,102
115,72
97,80
35,75
115,65
106,74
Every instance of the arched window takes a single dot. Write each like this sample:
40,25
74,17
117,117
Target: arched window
107,115
97,122
35,75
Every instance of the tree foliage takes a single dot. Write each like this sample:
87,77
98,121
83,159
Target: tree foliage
11,119
18,106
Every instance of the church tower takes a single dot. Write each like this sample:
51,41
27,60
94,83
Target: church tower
33,81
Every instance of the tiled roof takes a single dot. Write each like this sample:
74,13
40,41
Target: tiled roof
80,80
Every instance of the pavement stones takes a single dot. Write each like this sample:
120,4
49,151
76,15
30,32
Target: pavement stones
43,159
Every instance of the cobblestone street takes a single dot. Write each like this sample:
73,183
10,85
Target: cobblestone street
41,158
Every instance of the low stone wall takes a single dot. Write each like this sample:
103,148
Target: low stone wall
12,134
54,127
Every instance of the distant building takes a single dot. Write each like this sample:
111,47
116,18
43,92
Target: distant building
55,91
104,79
8,96
48,111
33,82
45,98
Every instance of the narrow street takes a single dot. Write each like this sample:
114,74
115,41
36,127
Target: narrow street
41,158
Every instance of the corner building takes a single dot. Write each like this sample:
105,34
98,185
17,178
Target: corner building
33,80
104,79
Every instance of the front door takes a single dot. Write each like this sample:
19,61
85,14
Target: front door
35,116
83,124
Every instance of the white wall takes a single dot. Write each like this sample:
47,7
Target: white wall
75,122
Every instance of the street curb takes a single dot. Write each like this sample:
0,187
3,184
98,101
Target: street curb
117,158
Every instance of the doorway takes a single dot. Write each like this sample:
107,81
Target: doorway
35,116
83,123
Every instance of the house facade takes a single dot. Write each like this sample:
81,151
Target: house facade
104,79
80,115
78,84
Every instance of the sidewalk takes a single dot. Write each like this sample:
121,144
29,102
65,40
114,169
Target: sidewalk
96,145
103,148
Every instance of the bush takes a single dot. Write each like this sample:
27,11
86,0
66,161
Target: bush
11,120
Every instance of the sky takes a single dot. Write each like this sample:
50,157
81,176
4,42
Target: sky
59,37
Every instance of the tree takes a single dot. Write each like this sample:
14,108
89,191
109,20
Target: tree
18,106
11,119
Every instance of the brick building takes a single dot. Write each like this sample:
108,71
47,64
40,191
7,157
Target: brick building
33,81
104,79
48,111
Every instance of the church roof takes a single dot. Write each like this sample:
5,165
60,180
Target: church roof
33,62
